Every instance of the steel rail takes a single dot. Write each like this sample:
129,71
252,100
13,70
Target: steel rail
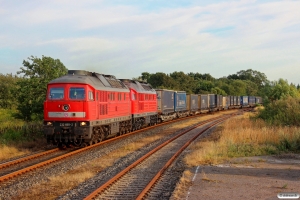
166,166
20,160
127,169
47,162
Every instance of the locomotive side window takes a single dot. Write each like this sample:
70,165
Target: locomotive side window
56,93
77,93
91,95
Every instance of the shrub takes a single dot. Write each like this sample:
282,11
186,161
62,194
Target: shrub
284,111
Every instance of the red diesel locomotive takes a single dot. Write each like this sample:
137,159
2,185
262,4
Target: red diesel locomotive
84,108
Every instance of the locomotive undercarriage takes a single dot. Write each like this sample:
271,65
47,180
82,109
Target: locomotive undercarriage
139,122
83,136
100,133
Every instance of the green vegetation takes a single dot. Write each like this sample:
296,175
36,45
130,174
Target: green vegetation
282,105
22,98
32,88
245,82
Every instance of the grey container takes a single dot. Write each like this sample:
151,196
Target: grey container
238,100
251,100
217,101
203,101
212,101
220,102
192,102
226,102
165,101
231,100
180,101
244,101
258,100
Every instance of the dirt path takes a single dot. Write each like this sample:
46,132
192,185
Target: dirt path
261,177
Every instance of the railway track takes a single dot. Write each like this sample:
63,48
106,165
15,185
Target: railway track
15,168
136,180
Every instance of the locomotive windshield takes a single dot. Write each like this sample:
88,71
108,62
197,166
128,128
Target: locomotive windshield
56,93
77,93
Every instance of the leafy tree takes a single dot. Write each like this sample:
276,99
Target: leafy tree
37,72
260,79
217,90
7,88
281,89
162,80
184,82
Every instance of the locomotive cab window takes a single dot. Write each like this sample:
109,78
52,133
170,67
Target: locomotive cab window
77,93
56,93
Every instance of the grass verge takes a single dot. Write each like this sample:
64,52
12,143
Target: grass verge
241,136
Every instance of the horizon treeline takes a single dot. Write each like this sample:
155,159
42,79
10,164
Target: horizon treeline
244,83
25,92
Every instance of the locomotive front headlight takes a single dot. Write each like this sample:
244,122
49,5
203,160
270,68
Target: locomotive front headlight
49,123
82,123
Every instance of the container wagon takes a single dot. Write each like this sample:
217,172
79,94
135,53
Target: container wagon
231,103
165,104
220,102
226,102
203,103
251,101
238,102
258,100
212,102
192,104
244,101
180,107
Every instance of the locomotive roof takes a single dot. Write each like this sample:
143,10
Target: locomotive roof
139,86
98,81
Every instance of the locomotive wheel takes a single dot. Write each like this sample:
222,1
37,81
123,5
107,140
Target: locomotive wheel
101,137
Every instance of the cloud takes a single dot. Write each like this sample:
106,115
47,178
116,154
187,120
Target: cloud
219,37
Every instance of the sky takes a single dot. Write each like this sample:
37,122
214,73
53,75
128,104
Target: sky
127,37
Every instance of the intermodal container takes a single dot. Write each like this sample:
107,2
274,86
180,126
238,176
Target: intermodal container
226,102
244,101
231,100
203,101
251,100
238,100
220,102
258,100
165,101
212,101
192,102
180,101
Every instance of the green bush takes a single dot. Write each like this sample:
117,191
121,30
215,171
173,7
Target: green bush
11,136
284,112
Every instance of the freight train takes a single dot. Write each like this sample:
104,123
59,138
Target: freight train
83,108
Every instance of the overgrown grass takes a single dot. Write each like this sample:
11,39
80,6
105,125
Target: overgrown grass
18,137
7,152
242,136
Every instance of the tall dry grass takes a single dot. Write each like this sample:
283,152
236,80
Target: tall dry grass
242,136
7,152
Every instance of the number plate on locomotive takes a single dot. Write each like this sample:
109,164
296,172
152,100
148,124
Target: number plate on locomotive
66,124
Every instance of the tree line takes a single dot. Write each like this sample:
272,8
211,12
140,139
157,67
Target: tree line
26,91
